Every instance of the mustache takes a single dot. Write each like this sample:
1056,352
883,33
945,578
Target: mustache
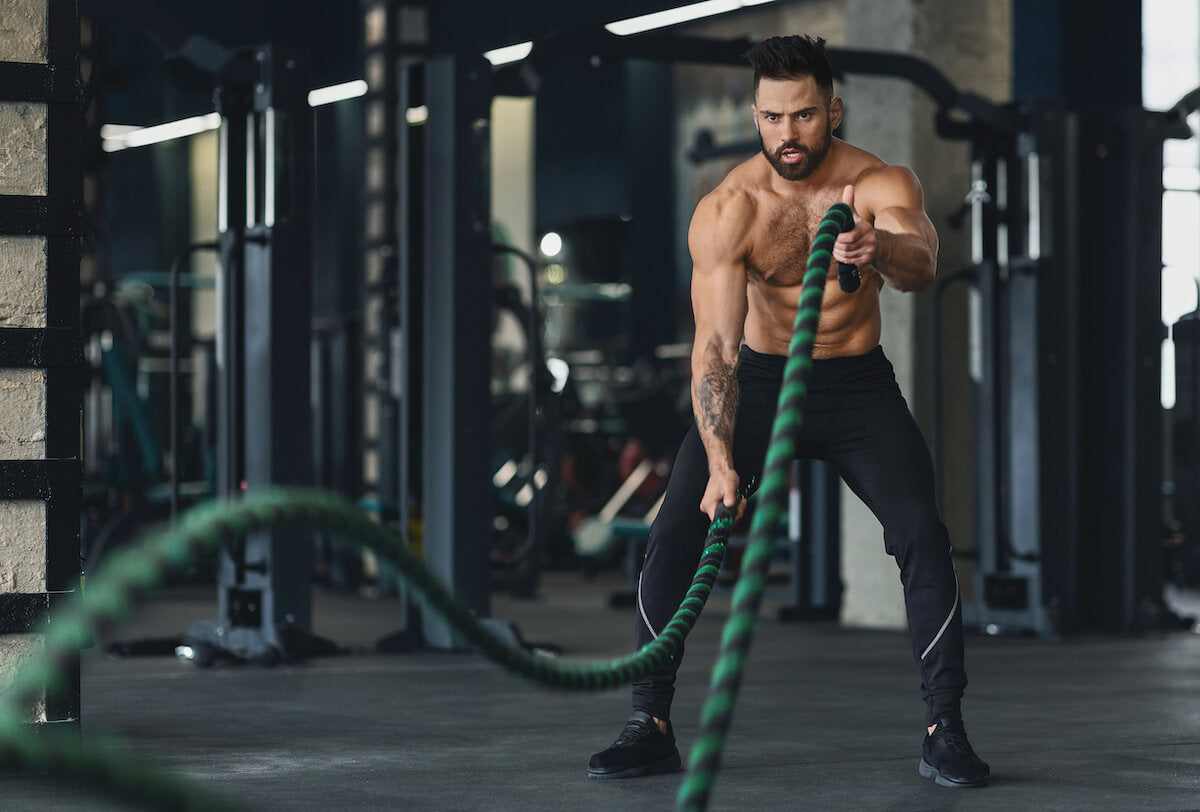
791,145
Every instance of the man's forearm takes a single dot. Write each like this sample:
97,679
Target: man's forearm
905,261
715,395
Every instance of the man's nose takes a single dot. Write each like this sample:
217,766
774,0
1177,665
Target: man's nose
788,130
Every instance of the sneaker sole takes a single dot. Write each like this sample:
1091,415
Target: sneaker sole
669,765
927,770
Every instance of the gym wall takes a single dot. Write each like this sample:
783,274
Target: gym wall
22,304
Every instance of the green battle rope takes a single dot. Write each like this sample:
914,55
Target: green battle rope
110,766
738,633
111,591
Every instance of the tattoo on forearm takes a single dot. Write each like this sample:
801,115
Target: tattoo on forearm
717,400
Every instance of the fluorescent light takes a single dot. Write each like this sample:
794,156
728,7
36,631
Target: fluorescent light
116,137
509,53
118,130
337,93
416,115
675,16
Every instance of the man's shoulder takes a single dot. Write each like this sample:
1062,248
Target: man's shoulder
886,175
857,163
862,166
726,215
885,186
734,198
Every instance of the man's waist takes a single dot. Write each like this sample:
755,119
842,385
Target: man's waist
752,363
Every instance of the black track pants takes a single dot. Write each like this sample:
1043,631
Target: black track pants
856,420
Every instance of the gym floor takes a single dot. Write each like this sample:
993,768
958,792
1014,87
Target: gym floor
828,718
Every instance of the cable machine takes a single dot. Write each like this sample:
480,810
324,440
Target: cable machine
264,293
1064,294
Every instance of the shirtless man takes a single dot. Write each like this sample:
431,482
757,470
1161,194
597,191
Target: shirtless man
750,242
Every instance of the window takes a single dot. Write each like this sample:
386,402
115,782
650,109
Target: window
1170,70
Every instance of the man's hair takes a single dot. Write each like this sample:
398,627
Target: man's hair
791,57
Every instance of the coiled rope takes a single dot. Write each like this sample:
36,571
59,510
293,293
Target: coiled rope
738,633
108,765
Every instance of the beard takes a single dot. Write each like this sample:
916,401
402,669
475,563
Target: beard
810,159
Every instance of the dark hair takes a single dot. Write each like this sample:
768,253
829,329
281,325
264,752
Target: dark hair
791,57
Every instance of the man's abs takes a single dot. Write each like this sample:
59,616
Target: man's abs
849,323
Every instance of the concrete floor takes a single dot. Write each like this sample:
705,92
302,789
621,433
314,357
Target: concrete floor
828,718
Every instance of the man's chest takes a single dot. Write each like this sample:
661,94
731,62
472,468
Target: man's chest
783,240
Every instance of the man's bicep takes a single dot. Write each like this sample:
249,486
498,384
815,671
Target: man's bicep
907,221
900,206
719,305
718,281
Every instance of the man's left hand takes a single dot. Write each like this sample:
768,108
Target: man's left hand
858,245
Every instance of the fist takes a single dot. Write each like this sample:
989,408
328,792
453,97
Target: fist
856,246
722,489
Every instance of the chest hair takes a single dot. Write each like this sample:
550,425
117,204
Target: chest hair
783,239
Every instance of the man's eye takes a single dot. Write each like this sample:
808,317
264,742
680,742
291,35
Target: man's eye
802,116
772,119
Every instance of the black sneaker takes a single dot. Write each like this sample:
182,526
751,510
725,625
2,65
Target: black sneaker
948,759
641,749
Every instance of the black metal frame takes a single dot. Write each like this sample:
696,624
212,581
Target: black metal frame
815,580
26,612
456,437
1066,437
264,351
55,349
41,348
1023,397
958,112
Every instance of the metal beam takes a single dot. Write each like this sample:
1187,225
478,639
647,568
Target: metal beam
457,500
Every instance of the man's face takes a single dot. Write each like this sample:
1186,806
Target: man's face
795,121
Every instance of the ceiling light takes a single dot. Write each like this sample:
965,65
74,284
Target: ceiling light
115,137
337,93
675,16
509,53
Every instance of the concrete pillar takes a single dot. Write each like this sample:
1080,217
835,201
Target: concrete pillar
880,117
970,42
23,151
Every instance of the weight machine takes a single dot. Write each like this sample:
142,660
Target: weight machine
1064,212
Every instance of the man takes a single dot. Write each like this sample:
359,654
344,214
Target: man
750,241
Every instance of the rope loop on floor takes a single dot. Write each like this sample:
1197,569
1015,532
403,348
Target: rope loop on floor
127,573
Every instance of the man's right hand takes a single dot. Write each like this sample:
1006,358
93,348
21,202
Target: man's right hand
722,488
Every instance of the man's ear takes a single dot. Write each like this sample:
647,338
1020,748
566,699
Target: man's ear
836,109
754,116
